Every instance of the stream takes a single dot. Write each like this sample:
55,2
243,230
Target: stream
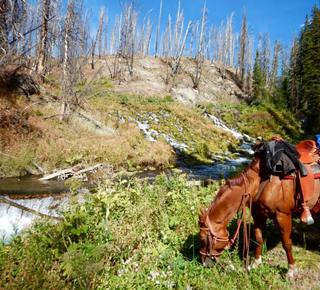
47,197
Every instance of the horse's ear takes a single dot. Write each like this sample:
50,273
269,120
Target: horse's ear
203,211
200,222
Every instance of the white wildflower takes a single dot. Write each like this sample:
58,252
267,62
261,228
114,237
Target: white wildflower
128,261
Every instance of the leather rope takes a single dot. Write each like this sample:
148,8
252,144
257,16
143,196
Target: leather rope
246,229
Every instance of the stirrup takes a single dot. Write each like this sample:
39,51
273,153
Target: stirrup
306,216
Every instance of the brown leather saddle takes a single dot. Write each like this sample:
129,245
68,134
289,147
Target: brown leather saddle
310,158
308,151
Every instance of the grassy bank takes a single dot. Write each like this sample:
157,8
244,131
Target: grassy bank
133,235
104,129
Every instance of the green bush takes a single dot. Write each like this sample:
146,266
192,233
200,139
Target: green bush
131,235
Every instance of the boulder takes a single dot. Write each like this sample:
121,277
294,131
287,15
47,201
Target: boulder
14,83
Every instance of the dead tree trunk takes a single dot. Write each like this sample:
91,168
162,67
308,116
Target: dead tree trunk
199,58
243,49
250,65
106,43
100,31
275,66
11,203
158,32
43,40
66,84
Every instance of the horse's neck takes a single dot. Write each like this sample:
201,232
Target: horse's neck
226,206
230,201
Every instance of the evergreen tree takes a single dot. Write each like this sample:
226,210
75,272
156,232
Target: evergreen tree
309,70
259,82
293,99
281,95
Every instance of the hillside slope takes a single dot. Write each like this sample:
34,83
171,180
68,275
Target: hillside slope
153,77
104,127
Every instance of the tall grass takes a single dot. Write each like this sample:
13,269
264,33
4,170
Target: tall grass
135,235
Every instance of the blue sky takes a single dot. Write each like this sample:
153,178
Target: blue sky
281,18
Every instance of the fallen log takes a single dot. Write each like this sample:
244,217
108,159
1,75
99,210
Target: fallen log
7,201
74,171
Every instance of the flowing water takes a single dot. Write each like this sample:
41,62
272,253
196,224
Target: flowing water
15,211
30,185
17,195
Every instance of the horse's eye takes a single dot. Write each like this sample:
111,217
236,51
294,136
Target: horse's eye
203,236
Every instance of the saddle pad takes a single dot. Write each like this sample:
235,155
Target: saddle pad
315,167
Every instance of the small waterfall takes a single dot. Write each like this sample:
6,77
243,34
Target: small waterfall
14,219
148,122
220,124
247,140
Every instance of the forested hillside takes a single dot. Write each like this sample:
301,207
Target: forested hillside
40,38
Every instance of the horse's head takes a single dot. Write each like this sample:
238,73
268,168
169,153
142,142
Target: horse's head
212,244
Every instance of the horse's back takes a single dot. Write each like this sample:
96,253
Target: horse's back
277,196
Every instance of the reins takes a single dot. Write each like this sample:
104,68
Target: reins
246,230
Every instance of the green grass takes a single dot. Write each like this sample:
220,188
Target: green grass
122,144
258,119
136,235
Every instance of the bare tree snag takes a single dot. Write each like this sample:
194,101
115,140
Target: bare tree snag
43,41
100,31
158,32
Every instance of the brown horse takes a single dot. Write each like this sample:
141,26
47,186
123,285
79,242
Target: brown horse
272,197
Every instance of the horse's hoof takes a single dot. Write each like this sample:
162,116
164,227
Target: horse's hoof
207,263
292,271
256,263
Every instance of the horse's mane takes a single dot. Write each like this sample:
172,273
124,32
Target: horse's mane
237,180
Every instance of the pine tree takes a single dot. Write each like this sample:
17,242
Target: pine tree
293,97
309,70
259,83
274,67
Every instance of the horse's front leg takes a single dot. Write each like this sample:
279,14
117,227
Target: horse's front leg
284,221
259,233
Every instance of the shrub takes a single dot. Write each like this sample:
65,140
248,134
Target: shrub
135,235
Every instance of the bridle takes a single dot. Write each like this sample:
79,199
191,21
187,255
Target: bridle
215,238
